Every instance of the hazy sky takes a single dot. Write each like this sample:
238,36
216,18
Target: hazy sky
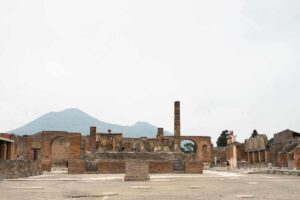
233,64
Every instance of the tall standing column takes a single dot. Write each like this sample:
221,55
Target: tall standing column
92,138
234,156
177,126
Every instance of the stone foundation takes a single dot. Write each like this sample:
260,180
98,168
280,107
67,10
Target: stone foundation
297,158
156,167
194,167
111,167
14,169
136,170
77,167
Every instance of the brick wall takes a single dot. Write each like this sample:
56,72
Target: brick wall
297,158
13,169
111,167
194,167
76,167
160,167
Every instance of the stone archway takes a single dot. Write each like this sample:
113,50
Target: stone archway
203,151
60,151
189,148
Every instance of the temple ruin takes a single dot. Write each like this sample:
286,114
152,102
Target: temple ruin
108,152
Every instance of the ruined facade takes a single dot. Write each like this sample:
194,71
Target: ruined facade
258,151
107,152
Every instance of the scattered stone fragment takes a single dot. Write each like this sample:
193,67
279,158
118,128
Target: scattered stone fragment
140,187
195,187
245,196
39,188
252,183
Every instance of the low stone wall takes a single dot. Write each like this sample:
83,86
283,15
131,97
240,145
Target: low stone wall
77,167
14,169
111,167
159,156
195,167
297,158
156,167
136,170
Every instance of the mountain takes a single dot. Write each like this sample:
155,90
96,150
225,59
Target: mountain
74,120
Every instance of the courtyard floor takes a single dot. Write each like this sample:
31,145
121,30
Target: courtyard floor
210,185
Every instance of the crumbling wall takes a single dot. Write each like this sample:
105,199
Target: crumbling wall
13,169
111,167
77,167
195,167
297,157
160,167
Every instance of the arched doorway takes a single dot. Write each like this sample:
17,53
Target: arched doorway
60,151
189,148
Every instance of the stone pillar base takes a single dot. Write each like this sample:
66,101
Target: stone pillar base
136,170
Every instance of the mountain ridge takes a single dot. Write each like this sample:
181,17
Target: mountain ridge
75,120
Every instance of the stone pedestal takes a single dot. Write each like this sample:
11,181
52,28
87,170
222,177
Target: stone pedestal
136,170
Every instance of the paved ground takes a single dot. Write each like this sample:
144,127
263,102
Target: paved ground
211,185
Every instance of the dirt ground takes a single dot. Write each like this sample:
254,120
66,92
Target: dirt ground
210,185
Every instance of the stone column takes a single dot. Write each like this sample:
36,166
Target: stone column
259,158
177,126
92,138
160,138
114,144
9,151
253,156
3,151
266,156
248,157
234,156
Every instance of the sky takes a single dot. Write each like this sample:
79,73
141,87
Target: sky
233,64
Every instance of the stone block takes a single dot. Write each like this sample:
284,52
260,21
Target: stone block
136,170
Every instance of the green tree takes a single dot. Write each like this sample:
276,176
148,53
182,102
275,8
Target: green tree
189,147
222,140
254,133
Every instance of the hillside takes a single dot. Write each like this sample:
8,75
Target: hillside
75,120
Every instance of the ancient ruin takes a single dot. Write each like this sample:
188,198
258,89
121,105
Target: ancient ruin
108,152
281,152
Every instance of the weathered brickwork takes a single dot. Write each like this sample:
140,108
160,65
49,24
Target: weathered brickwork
106,152
194,167
77,167
111,167
136,170
160,167
13,169
297,158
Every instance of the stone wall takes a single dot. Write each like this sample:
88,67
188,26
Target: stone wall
219,153
297,158
13,169
76,167
194,167
111,167
136,170
160,167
